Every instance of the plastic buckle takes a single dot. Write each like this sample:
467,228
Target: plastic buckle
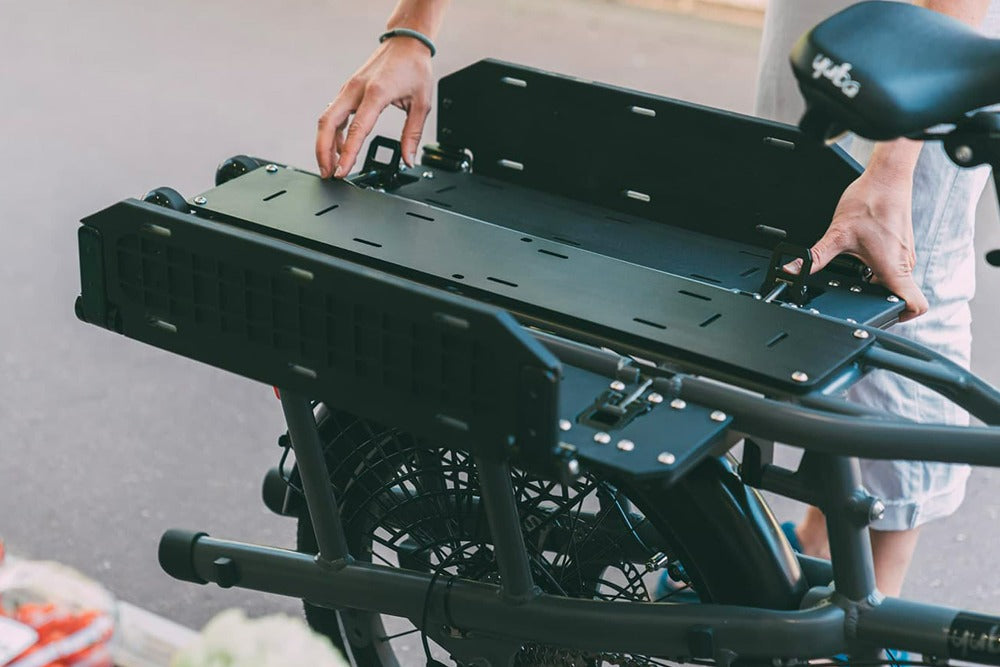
792,286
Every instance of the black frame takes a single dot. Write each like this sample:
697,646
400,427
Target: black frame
187,282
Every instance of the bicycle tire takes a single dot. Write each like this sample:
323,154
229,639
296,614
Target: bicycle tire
720,531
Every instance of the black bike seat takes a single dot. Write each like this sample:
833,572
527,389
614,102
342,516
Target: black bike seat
891,69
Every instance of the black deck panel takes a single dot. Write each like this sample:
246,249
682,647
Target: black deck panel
681,318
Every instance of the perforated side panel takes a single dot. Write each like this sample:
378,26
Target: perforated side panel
386,348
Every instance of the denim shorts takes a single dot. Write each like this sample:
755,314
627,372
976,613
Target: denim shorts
944,202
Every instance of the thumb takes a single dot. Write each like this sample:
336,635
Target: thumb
823,251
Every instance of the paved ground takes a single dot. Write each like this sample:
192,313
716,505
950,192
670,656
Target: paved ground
106,442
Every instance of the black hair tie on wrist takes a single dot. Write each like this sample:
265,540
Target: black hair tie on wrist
406,32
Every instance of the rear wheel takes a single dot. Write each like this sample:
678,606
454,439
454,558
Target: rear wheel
407,503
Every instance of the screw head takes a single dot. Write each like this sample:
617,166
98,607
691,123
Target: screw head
877,510
428,174
855,289
800,376
963,154
573,467
717,416
834,283
565,424
626,445
678,404
666,458
271,168
199,200
618,385
860,333
892,298
655,398
602,438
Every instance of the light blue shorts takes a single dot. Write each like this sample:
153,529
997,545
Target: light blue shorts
944,201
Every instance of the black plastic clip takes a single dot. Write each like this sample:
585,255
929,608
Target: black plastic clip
791,286
379,174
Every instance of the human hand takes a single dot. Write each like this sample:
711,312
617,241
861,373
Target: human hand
398,73
873,222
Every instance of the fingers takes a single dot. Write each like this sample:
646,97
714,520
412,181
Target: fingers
412,129
906,288
331,125
360,127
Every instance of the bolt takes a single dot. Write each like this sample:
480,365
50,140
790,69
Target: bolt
666,458
799,376
428,174
860,333
618,385
200,201
271,169
573,467
717,416
855,289
655,398
963,154
658,560
892,298
602,438
877,510
565,425
626,445
834,283
464,165
678,404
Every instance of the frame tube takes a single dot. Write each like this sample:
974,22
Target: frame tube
640,627
315,478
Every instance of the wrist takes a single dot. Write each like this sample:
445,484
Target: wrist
894,162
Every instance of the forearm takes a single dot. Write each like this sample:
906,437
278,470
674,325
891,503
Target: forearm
896,160
424,16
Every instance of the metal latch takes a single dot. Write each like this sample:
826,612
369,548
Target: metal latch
790,286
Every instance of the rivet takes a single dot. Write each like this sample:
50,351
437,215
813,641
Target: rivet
717,416
799,376
963,154
892,298
855,289
573,467
618,385
626,445
199,200
565,425
271,168
834,283
602,438
666,458
860,333
678,404
655,398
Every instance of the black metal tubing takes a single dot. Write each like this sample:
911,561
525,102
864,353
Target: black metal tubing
819,431
323,511
505,527
645,628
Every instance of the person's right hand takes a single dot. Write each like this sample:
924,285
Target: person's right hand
398,73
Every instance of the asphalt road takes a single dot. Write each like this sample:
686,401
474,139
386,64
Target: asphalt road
106,442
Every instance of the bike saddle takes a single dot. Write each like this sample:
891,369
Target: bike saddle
890,69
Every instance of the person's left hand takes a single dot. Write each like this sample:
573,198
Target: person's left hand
873,222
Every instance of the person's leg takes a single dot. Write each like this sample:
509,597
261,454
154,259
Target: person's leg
892,551
812,534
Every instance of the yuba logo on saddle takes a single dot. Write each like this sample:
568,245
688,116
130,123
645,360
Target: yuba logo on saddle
974,637
838,74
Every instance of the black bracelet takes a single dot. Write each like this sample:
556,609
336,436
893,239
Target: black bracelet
406,32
